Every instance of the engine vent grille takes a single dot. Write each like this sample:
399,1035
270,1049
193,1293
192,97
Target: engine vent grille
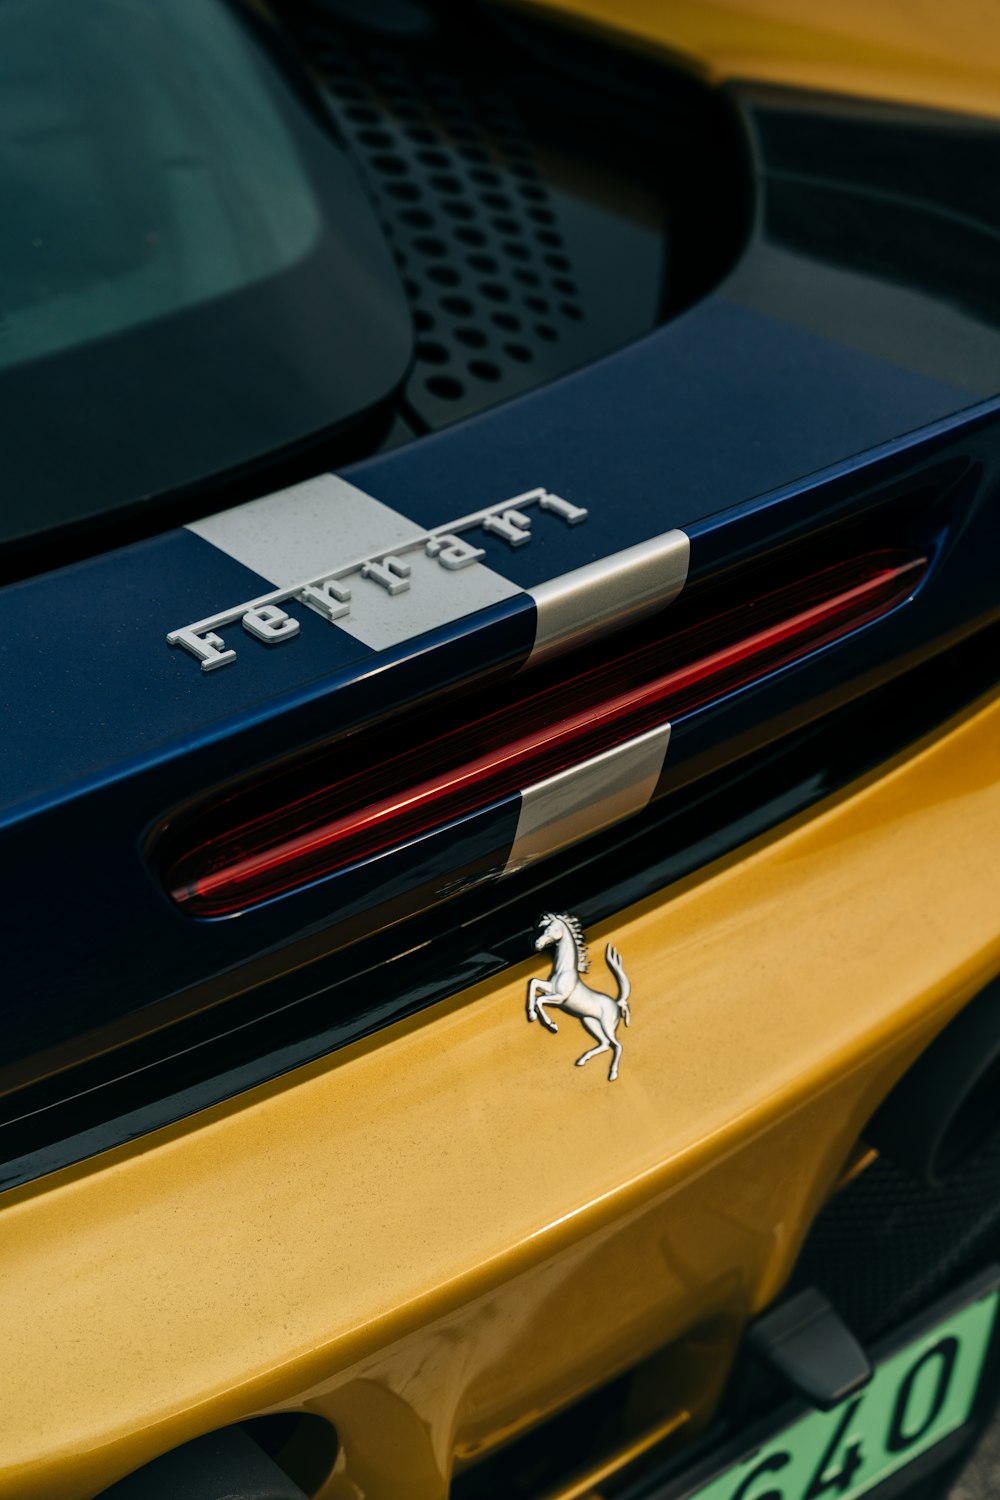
476,230
527,213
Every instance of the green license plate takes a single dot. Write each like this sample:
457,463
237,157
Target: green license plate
915,1398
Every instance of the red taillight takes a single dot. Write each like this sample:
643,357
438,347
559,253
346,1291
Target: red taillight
358,801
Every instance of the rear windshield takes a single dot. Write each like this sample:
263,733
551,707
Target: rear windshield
191,277
143,169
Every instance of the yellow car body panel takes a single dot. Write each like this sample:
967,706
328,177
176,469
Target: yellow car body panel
439,1235
937,57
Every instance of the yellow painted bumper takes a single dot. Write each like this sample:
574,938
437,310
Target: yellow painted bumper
438,1235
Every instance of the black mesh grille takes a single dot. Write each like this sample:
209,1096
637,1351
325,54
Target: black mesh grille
526,202
475,226
496,249
886,1245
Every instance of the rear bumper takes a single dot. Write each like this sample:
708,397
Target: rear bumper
441,1234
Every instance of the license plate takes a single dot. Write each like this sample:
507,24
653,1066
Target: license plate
917,1396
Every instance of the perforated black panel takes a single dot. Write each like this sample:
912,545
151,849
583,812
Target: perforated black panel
524,249
886,1245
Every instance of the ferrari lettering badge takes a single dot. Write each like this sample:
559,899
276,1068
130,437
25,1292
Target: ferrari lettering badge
601,1014
329,593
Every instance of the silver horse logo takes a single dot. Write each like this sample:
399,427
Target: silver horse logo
600,1013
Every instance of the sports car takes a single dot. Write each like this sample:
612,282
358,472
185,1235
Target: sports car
500,808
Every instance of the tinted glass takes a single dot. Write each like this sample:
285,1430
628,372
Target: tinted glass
190,276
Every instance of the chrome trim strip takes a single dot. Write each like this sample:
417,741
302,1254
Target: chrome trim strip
582,800
614,591
433,577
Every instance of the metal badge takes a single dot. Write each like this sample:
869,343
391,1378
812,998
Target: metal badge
601,1014
330,594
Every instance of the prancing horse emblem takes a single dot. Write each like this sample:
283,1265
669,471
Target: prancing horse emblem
599,1013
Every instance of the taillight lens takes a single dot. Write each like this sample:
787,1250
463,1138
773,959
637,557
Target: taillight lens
358,800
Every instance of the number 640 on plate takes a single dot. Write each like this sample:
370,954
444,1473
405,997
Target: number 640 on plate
916,1398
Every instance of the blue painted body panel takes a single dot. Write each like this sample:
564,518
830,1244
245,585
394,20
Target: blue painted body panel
721,406
744,427
640,439
96,658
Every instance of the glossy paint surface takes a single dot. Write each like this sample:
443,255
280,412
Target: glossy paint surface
850,359
150,731
439,1234
332,1241
913,54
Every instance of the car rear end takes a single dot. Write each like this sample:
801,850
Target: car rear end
566,535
